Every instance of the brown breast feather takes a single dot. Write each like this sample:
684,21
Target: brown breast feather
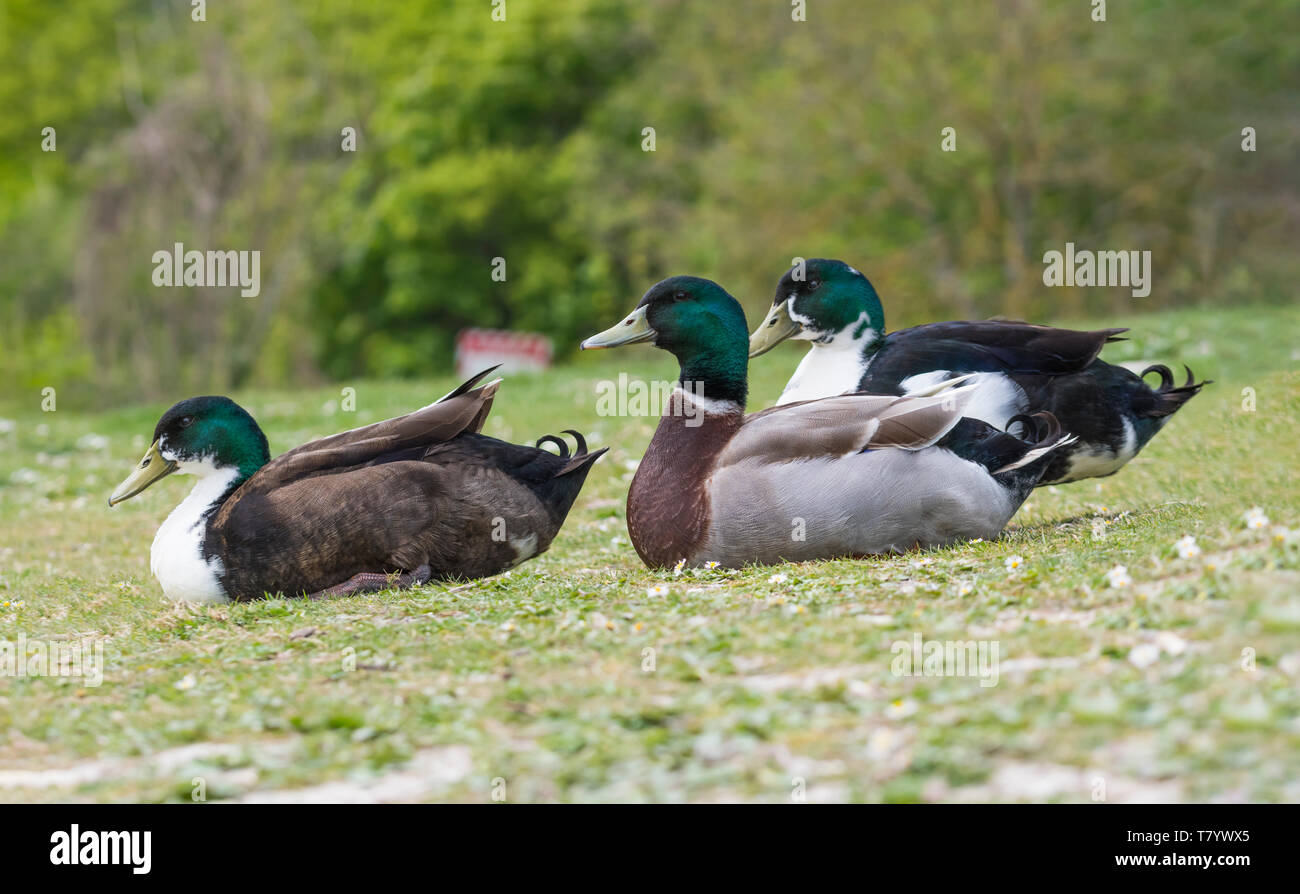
668,503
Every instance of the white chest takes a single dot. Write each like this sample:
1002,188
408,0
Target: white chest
830,367
176,557
825,371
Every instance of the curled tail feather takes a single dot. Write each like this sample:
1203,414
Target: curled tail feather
578,459
1170,397
558,442
1043,432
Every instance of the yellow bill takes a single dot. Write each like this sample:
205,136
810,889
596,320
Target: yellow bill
151,468
635,329
775,328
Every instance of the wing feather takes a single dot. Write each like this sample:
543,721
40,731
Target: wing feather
991,346
849,423
438,422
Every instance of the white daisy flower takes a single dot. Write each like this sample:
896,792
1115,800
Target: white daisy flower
1255,518
677,569
92,441
1171,643
1013,564
900,708
1187,547
778,579
1144,655
1118,577
657,590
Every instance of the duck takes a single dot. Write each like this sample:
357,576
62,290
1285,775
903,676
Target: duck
845,476
393,505
1112,412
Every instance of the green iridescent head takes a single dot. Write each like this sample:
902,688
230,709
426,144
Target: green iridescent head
821,301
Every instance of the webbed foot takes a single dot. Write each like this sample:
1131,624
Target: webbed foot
371,582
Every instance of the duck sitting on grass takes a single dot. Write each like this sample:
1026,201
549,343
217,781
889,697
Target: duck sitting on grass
852,475
1025,368
388,505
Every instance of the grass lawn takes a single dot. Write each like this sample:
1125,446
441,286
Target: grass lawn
574,678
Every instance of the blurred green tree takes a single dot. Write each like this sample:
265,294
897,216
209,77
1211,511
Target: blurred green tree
522,140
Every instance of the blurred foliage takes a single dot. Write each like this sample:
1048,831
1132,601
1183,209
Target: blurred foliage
523,140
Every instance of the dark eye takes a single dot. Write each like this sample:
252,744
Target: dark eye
679,296
814,284
187,421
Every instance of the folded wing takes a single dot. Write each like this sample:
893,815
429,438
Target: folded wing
850,423
992,346
404,437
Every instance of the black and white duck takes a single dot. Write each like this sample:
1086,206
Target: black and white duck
394,504
1024,368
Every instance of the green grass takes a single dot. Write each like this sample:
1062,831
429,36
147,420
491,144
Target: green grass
536,677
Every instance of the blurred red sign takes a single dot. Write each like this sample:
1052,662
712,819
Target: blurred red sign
477,349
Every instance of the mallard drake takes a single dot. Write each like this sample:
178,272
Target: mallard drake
844,476
393,504
1025,368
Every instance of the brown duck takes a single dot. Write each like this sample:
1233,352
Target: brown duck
845,476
